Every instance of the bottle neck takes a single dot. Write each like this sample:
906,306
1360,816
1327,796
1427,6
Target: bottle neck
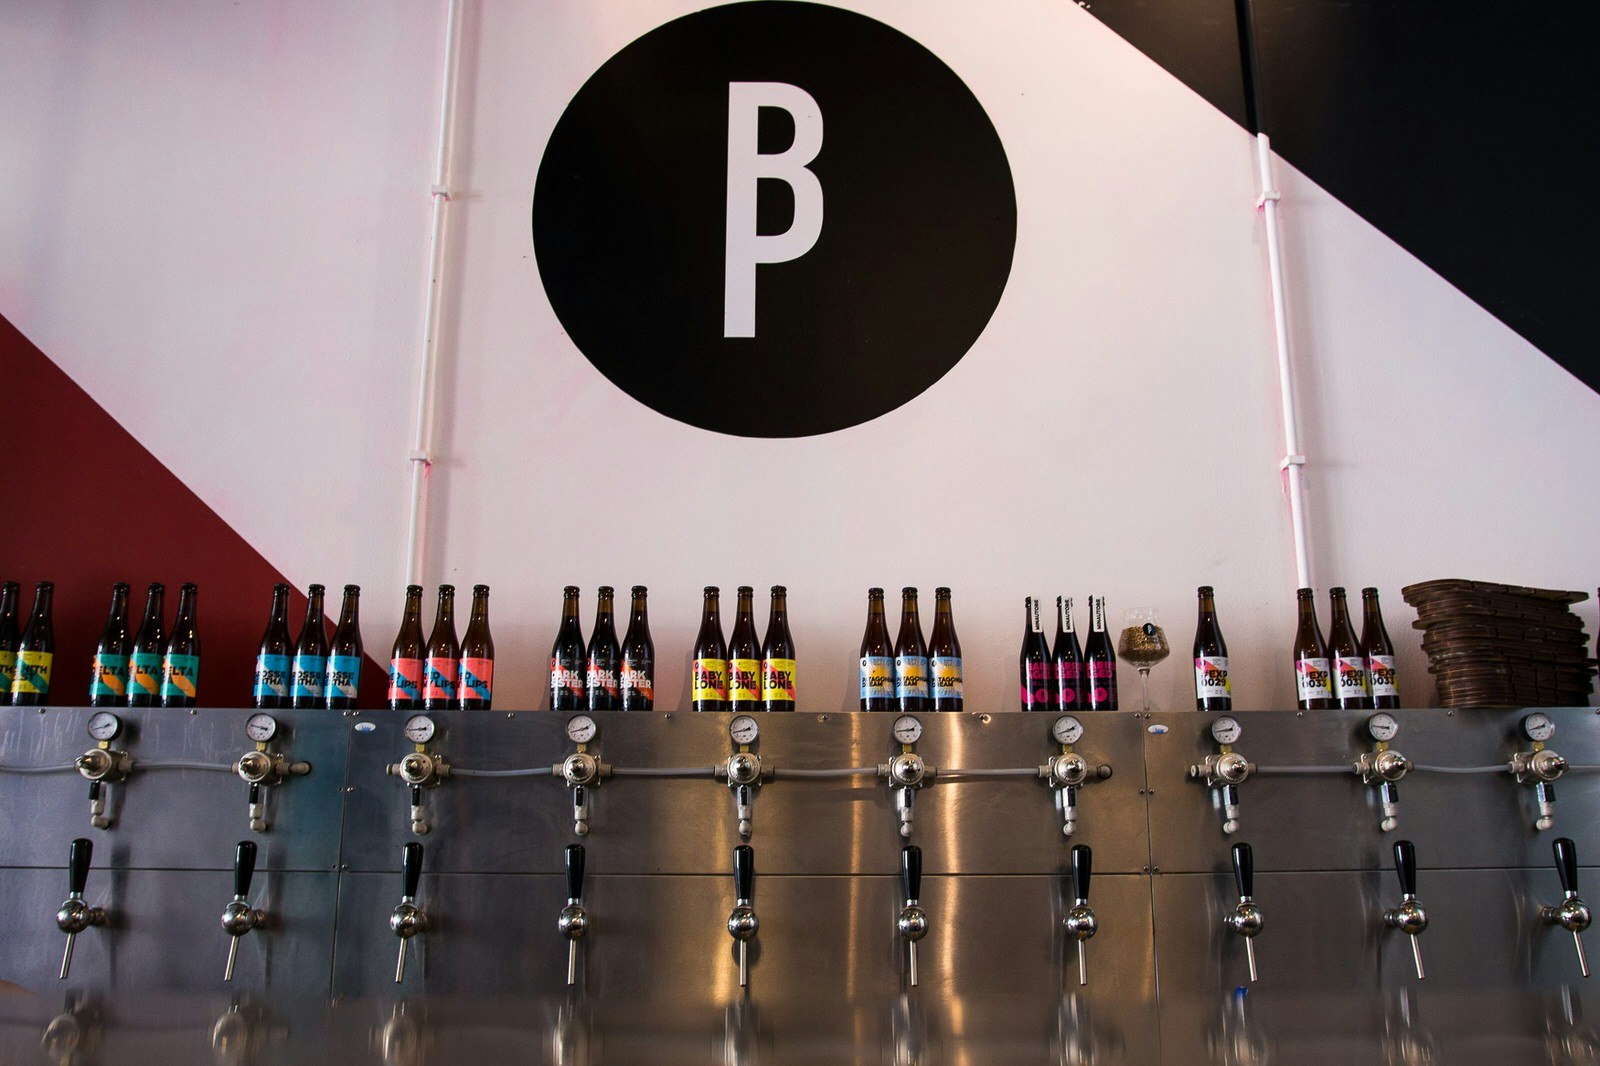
1032,609
349,611
1097,614
42,599
413,611
280,607
154,607
480,607
119,606
1065,611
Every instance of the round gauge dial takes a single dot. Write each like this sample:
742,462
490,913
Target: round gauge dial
1383,727
1538,727
1225,730
419,729
581,729
744,730
104,726
261,728
907,730
1067,730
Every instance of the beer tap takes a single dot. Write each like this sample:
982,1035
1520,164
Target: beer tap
1571,914
906,772
1540,767
74,915
421,769
408,919
103,765
1080,921
1067,771
1246,919
238,918
1409,917
261,768
1224,771
574,919
743,923
1384,767
913,921
581,770
744,771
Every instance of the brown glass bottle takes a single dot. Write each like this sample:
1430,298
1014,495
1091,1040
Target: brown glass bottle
441,672
408,656
778,690
36,652
744,655
9,639
946,691
270,690
638,656
341,686
910,657
180,667
108,680
568,657
149,648
877,658
1312,671
1348,666
1212,689
708,684
1378,650
1066,660
1033,662
602,681
310,667
476,691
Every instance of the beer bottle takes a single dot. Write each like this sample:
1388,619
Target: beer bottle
37,651
180,669
877,658
1033,663
477,656
567,658
149,648
407,656
1379,653
944,656
744,655
1349,667
910,656
1212,689
108,682
1100,660
310,667
777,656
709,677
1313,686
1067,658
343,680
441,671
638,656
275,657
9,639
601,683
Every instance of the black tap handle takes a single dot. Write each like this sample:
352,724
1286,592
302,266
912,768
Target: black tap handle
744,872
411,867
244,867
1567,864
911,870
574,871
1244,869
1405,865
78,856
1082,867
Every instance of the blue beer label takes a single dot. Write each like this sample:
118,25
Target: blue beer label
910,675
344,676
310,671
110,676
877,677
272,676
144,674
180,677
947,677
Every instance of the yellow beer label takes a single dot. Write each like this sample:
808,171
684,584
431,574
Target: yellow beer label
8,669
777,679
744,680
710,680
33,672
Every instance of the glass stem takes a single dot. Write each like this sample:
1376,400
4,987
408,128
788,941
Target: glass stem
1144,686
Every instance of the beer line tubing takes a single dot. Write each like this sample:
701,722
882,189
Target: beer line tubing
853,771
179,764
532,771
1021,771
37,769
665,771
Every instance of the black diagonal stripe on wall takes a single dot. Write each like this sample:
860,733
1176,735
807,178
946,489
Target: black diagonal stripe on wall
1463,131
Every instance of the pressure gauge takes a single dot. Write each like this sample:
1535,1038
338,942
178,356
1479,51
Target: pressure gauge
1383,727
1538,727
1067,730
419,729
104,726
1225,730
907,730
261,728
744,729
581,729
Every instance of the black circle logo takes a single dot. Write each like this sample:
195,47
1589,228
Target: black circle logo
774,219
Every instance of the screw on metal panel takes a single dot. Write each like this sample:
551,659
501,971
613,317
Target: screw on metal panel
510,715
1141,792
41,710
1299,714
1144,869
1449,714
1155,869
349,788
193,711
1152,792
822,718
668,715
344,866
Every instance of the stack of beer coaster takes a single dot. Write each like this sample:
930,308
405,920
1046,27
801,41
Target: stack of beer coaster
1494,645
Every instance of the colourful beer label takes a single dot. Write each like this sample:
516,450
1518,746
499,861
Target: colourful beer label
343,677
709,681
1312,679
144,673
1102,681
439,678
272,676
1067,672
110,677
1211,678
877,677
180,677
1350,675
910,676
1036,686
405,679
565,678
744,680
777,679
602,677
1381,672
8,669
310,673
477,679
33,673
636,678
946,677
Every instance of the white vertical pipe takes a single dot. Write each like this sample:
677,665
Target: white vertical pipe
1294,460
421,456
